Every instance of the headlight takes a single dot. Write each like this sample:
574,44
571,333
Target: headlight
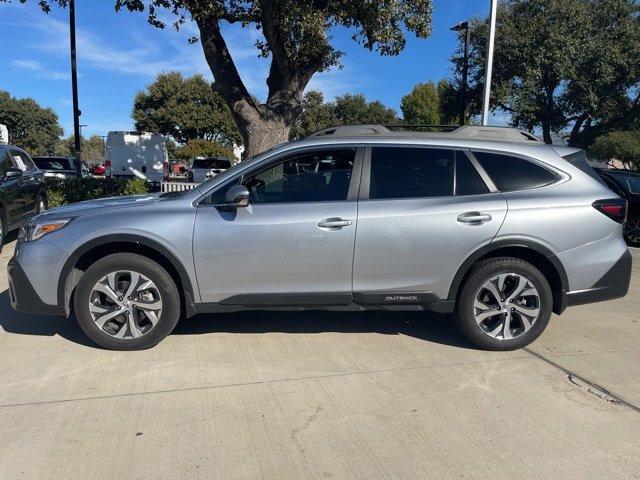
35,230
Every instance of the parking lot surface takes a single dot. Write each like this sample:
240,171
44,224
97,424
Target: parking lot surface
303,395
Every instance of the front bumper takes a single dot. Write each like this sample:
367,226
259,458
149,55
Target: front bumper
613,284
24,297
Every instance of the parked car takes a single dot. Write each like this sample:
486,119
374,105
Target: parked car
22,190
486,223
627,185
203,168
135,155
59,167
98,170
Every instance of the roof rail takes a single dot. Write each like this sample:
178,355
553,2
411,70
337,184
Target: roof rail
472,132
352,130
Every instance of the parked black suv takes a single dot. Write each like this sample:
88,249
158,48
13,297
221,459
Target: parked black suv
627,185
22,190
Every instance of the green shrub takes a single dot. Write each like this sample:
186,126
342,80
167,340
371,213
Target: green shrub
72,190
136,186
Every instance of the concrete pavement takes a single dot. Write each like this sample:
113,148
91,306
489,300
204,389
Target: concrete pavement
323,395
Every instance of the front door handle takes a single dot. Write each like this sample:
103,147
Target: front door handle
474,218
334,223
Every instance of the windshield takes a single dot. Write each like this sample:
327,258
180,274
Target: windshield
210,163
53,163
630,183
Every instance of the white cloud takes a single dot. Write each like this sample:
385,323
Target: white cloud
40,70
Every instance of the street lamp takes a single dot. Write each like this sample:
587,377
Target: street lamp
464,26
487,81
74,87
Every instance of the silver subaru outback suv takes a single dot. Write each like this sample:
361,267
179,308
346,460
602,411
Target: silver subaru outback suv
486,223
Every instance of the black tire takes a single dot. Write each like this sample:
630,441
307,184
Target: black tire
480,273
632,232
171,307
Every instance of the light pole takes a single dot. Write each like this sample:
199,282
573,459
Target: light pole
487,81
465,68
74,88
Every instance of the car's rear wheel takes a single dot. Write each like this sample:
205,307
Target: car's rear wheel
632,232
126,302
505,304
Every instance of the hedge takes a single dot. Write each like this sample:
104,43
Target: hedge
72,190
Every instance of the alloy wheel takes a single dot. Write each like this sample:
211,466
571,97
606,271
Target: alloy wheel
507,306
632,231
125,304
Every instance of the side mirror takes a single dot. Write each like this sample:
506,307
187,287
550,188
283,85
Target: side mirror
237,197
12,173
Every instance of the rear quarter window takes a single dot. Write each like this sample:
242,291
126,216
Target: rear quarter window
510,173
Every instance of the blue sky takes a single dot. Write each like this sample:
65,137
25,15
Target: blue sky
119,54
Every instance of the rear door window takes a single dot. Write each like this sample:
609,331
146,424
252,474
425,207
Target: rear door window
511,173
409,172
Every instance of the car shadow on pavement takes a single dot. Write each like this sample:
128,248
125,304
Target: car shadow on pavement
426,326
39,325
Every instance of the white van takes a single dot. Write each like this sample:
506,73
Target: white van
135,154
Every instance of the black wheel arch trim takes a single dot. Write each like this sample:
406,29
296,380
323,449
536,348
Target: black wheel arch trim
64,292
560,301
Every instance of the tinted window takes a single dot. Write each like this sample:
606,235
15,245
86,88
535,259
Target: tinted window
405,172
5,163
514,173
309,177
53,163
209,163
22,161
630,183
468,181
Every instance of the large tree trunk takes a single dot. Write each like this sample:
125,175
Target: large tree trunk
260,127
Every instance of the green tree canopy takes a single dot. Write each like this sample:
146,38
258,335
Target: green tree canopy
422,105
621,146
562,65
32,127
294,34
185,109
344,110
92,148
203,148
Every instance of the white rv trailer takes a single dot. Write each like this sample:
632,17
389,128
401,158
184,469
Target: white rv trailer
135,154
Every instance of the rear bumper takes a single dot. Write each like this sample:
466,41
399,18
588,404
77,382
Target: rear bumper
24,297
613,284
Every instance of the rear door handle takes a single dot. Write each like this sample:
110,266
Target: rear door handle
475,218
334,223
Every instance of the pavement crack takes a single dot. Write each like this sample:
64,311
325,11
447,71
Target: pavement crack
586,384
259,382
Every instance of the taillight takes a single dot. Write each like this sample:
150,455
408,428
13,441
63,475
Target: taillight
107,168
614,208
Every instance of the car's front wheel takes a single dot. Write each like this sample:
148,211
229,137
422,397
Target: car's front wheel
505,304
126,301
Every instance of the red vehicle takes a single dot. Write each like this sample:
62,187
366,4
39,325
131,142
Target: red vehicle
98,170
